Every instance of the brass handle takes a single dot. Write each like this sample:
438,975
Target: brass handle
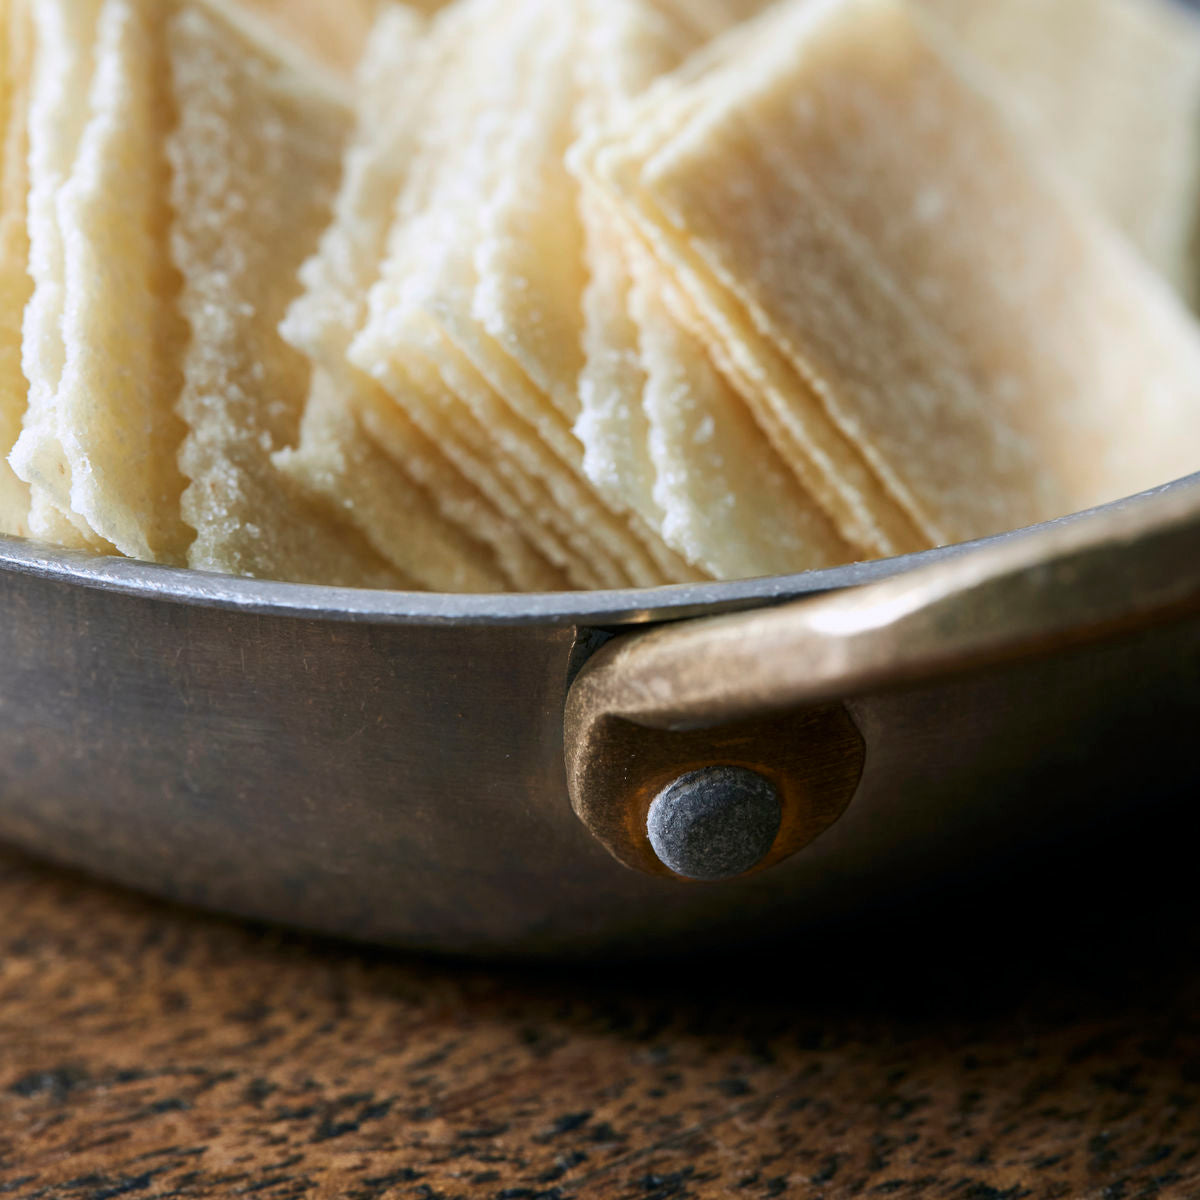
762,691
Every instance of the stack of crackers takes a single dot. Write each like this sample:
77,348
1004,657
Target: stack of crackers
549,294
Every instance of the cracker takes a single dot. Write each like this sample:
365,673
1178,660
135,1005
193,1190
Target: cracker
529,253
533,434
824,461
662,430
377,497
531,277
121,332
729,502
384,177
392,86
504,405
50,524
15,285
64,33
393,80
394,168
628,44
465,506
824,458
952,296
444,392
612,425
519,505
251,123
429,275
1119,112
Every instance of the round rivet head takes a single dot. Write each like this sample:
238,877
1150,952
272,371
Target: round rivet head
715,823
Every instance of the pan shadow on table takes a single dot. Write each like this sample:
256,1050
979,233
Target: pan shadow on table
1033,1032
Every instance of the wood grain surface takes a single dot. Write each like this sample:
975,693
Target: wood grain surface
150,1052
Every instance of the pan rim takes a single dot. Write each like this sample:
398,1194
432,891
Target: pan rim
613,608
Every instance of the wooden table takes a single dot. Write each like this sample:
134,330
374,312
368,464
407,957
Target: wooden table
148,1052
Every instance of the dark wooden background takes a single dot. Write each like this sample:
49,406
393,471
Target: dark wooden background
1048,1049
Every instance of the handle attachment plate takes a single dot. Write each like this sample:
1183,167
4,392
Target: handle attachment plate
763,690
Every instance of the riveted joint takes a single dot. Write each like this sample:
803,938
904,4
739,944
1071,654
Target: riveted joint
707,805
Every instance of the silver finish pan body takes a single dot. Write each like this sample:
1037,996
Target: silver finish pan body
390,767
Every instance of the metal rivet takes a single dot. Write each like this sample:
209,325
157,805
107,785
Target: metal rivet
715,823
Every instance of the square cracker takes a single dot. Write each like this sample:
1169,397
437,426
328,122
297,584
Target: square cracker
391,92
519,507
428,285
121,332
827,463
662,429
729,502
612,425
847,207
639,41
392,86
532,267
627,44
468,509
529,250
447,397
252,121
104,341
398,160
438,555
58,109
1118,113
431,255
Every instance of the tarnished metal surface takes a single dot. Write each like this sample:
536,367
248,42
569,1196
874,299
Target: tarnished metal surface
716,823
390,767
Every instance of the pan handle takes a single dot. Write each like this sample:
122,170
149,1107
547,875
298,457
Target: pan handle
711,747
